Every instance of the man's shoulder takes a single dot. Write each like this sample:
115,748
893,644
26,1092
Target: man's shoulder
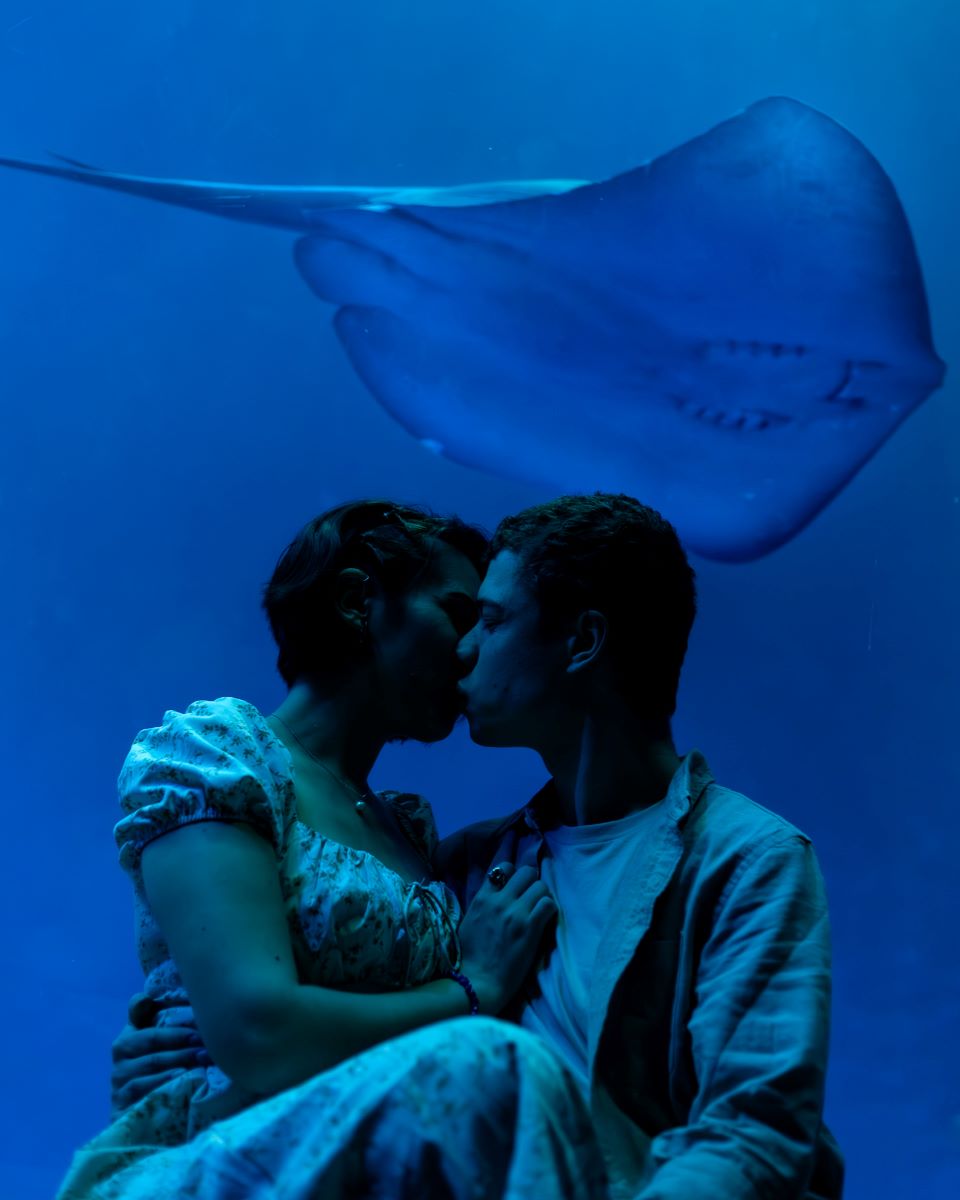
728,837
462,858
480,833
726,816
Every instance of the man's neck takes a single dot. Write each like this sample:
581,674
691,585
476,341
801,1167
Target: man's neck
611,767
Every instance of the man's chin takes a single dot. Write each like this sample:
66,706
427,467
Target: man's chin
483,732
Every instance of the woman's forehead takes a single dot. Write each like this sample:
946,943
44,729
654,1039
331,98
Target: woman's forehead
451,571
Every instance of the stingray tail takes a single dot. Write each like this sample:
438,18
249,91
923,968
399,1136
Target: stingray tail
283,207
299,208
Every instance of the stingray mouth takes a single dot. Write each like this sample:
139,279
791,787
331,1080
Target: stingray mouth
757,349
739,420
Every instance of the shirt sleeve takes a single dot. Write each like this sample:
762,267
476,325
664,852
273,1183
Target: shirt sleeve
759,1034
213,762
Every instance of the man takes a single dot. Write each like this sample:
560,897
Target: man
688,985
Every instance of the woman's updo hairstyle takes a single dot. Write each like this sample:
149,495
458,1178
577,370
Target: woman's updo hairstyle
391,542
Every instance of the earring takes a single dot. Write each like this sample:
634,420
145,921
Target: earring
362,632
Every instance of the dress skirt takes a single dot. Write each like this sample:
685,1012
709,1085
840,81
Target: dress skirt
468,1109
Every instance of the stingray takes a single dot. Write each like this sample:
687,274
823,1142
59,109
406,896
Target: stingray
728,332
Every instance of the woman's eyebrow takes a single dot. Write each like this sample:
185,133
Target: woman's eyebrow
462,600
489,604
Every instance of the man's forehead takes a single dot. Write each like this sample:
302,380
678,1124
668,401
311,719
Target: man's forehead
503,580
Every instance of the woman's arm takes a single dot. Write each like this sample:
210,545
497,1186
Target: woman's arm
214,891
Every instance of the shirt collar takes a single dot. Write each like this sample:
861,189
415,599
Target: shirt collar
688,784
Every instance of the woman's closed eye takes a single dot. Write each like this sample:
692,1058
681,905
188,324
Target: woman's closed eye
462,612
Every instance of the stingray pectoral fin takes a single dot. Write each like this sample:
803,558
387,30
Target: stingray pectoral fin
408,379
443,387
465,267
347,272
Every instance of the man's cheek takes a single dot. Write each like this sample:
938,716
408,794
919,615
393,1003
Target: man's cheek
494,688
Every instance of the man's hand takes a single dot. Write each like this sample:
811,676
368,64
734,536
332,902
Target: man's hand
146,1056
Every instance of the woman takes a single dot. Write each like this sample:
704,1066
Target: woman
291,912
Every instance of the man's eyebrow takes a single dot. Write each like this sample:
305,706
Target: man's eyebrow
482,602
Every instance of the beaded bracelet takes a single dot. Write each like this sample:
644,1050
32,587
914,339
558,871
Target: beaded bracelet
468,988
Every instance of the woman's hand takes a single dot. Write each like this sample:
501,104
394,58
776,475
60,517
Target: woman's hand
146,1056
501,934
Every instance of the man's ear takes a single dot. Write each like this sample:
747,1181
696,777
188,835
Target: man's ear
352,592
587,641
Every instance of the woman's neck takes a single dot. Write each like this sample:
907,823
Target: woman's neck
336,729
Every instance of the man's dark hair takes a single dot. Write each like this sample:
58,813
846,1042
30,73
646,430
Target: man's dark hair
613,554
392,542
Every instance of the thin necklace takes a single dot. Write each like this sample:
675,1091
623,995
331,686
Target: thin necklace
362,797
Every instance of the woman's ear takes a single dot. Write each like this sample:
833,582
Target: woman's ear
352,593
587,640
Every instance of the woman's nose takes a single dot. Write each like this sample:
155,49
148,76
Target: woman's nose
467,651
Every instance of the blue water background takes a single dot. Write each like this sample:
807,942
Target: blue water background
175,405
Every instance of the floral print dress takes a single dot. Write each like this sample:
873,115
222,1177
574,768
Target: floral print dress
470,1107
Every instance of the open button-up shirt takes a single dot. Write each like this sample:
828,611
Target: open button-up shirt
709,1002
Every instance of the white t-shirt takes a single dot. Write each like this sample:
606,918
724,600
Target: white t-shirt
583,868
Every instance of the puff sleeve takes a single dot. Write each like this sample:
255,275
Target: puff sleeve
218,761
415,816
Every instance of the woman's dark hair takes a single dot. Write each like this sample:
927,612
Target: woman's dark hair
390,541
616,555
